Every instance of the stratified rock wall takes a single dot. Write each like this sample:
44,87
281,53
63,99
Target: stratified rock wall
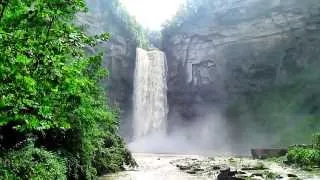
236,47
226,51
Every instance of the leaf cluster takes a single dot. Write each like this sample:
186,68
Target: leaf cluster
32,163
303,156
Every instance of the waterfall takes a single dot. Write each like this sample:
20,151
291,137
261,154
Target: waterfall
150,107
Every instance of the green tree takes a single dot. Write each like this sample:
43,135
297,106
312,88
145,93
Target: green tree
50,88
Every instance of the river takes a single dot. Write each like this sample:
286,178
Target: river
177,167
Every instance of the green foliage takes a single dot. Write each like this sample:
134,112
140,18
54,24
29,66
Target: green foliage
114,12
133,28
191,11
32,163
50,90
40,50
303,156
111,156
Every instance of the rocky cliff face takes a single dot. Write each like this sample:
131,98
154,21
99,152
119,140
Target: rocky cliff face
119,54
227,50
237,47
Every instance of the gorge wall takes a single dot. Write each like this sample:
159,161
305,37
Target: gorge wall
119,53
254,60
238,70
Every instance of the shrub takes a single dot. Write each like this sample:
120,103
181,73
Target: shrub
303,156
30,163
112,156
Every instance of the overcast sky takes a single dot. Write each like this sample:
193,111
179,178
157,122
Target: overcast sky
152,13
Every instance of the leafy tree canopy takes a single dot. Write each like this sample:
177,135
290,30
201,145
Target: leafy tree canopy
50,88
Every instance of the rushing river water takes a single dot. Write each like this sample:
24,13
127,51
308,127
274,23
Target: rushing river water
165,167
155,167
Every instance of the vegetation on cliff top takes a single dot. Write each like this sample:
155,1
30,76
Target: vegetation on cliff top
54,120
192,10
113,12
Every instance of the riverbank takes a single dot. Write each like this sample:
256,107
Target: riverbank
195,167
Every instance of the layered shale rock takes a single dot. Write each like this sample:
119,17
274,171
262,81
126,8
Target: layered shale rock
233,48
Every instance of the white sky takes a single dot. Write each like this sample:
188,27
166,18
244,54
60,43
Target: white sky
152,13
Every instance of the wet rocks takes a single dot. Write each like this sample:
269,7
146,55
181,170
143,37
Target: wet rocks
271,175
241,172
292,175
198,169
224,176
196,166
233,172
236,168
191,171
227,174
190,166
209,167
182,167
225,171
254,167
216,167
257,174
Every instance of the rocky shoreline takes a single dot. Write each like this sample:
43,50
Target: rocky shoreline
239,168
198,167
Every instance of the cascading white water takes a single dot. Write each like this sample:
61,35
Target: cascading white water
150,107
